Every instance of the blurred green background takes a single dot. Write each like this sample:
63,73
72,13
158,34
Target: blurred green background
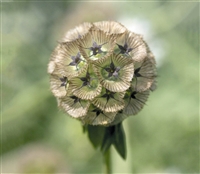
38,138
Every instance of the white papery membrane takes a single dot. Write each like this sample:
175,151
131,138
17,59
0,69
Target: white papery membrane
132,46
111,27
145,74
80,89
135,101
123,72
70,61
73,105
95,116
96,45
78,32
109,101
58,85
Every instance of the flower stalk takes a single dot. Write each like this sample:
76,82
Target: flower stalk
107,162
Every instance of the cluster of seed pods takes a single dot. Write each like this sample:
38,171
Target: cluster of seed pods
102,73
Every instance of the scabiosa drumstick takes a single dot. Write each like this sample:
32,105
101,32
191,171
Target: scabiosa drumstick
102,73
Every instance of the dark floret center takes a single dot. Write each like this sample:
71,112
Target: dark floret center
76,99
76,60
136,72
108,95
86,80
120,112
133,94
64,81
124,49
113,70
96,49
98,111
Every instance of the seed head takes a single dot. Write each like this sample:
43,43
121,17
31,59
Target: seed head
101,73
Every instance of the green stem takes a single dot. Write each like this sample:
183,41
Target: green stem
107,162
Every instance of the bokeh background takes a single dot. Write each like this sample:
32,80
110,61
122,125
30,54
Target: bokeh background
36,137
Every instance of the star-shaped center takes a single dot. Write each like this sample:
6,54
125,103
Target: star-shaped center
96,49
108,95
64,81
124,49
98,111
112,70
76,60
86,80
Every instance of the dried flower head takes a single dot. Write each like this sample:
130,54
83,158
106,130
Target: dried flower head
101,73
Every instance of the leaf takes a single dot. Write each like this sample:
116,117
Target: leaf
95,134
108,138
119,140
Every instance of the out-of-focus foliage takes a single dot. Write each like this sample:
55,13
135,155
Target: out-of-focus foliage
36,137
